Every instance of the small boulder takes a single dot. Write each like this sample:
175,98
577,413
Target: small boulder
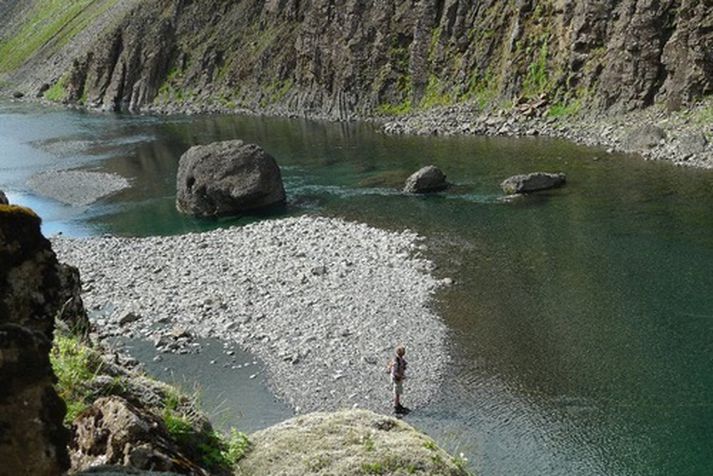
428,179
227,178
18,95
693,143
532,182
42,90
3,198
644,138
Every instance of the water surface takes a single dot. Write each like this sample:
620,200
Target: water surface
581,319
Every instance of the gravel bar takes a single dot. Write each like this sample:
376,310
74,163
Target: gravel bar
322,301
76,187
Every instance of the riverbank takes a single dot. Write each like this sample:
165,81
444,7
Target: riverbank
321,301
683,138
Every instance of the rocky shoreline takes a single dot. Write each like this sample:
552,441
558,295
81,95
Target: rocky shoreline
683,138
321,301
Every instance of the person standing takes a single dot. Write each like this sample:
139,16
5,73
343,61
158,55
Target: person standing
397,369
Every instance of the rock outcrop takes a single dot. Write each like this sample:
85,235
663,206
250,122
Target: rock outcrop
532,182
33,439
3,198
360,58
347,442
227,178
115,432
426,180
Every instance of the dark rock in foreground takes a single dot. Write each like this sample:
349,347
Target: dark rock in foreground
227,178
532,182
428,179
33,439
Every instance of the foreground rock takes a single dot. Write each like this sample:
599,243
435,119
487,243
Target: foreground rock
319,300
346,443
532,182
3,198
113,431
427,180
32,437
227,178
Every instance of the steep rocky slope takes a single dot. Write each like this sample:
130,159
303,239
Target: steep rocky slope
345,58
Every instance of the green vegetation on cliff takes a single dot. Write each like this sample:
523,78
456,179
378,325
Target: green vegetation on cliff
49,23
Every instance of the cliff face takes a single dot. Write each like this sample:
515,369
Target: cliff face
341,58
32,437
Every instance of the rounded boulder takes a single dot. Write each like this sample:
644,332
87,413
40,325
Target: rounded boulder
227,178
427,180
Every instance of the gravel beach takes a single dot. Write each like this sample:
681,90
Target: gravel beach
76,187
322,301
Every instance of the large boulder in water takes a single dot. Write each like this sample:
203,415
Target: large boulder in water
428,179
227,178
532,182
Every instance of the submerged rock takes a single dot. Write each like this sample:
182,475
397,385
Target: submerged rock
227,178
346,442
428,179
533,182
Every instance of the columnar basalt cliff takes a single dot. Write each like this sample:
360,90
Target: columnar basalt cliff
32,437
355,58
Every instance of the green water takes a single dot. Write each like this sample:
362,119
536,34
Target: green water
581,319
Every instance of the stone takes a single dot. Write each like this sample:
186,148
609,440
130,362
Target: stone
3,198
115,432
693,144
33,438
228,178
533,182
18,95
644,138
72,311
426,180
128,318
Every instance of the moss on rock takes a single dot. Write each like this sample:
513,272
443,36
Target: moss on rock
353,442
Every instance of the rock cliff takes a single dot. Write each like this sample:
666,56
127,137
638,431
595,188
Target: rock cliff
32,437
347,58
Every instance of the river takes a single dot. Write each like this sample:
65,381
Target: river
581,319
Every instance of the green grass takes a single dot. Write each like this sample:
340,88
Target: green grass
49,21
400,109
58,91
435,94
213,450
74,364
562,110
537,80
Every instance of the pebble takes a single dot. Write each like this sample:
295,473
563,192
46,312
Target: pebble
322,330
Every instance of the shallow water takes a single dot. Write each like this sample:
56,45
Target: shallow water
582,319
